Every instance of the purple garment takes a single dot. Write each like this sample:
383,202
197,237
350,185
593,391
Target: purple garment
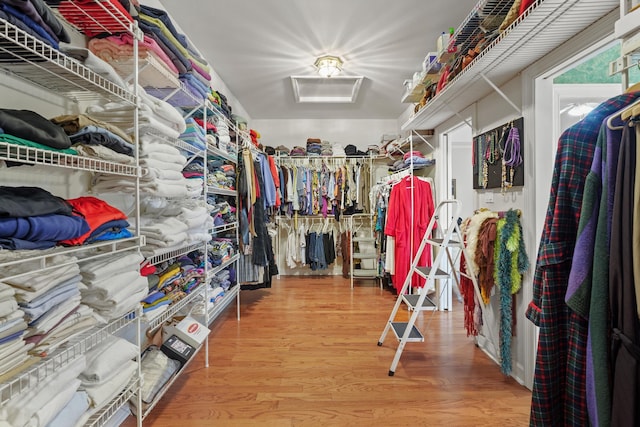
26,7
44,35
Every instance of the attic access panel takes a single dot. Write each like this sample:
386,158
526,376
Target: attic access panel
337,90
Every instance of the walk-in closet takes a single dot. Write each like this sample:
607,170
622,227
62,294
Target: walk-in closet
333,213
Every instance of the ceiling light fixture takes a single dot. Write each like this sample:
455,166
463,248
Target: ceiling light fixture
328,65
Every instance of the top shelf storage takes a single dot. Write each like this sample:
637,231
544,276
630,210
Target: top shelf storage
97,17
542,28
31,59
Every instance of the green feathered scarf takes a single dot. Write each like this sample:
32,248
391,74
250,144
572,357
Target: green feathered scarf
511,263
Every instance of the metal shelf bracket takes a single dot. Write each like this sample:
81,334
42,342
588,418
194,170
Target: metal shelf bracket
501,93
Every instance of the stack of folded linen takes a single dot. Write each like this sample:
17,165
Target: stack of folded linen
86,130
13,351
326,148
338,150
114,286
163,234
96,64
153,112
298,152
222,249
162,176
40,405
195,215
51,303
109,369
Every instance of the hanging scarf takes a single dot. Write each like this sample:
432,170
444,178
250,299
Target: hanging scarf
468,299
511,262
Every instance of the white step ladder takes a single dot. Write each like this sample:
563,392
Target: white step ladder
451,239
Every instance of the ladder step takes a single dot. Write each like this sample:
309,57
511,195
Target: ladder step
364,239
400,327
365,273
365,255
412,302
425,271
439,242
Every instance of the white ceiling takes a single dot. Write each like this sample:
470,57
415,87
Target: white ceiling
256,45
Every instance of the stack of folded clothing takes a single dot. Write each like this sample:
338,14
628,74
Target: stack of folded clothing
222,249
338,150
314,147
153,112
222,128
30,129
162,233
221,175
13,351
221,212
35,18
220,103
194,135
33,218
86,130
119,48
162,176
326,149
51,303
172,283
298,152
194,173
281,150
109,369
193,69
40,405
105,221
417,158
114,286
99,66
195,214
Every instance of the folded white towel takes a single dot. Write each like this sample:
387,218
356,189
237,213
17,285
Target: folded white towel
162,164
73,411
110,285
100,268
104,360
51,318
100,394
57,403
8,307
166,157
23,406
38,281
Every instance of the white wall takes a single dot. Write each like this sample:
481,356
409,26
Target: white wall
294,132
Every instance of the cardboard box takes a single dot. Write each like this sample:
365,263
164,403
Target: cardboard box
189,330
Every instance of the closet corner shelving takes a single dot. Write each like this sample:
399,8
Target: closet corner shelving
543,27
42,66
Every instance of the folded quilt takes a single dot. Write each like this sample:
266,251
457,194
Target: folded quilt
50,300
52,318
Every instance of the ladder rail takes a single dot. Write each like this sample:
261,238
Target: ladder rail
414,315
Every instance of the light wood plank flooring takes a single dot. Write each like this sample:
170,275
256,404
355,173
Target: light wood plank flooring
305,354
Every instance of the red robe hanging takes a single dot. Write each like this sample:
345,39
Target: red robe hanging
399,226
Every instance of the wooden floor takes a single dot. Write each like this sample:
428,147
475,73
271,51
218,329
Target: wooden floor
304,354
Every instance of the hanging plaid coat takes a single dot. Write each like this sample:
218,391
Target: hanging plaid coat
559,381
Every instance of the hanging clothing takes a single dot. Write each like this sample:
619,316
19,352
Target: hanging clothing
408,226
558,390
